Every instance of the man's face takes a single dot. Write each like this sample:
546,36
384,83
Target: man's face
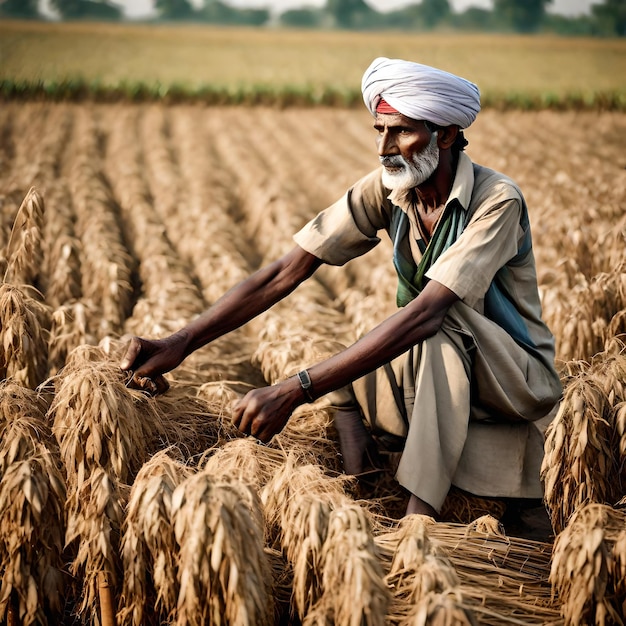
407,150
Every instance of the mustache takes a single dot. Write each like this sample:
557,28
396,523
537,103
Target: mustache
392,161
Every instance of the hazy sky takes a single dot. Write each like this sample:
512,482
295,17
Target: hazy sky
138,8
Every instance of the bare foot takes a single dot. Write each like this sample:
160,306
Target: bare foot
419,507
358,448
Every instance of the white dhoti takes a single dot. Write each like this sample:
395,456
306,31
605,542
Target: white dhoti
471,405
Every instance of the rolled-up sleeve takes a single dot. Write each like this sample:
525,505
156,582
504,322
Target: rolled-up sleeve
346,229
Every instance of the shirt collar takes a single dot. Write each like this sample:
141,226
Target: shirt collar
463,184
461,191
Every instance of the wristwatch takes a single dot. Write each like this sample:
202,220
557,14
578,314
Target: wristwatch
307,385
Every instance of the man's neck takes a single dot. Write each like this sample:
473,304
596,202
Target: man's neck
433,194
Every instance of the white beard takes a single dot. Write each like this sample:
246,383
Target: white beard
411,173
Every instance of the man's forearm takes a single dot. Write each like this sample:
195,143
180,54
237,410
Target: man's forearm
250,298
419,320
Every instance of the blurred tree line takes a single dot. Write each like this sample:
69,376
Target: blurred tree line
607,19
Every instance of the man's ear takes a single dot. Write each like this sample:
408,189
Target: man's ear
446,136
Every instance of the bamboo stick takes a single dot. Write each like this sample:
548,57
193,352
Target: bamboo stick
107,610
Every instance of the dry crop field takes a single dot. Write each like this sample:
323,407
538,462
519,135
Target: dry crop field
116,507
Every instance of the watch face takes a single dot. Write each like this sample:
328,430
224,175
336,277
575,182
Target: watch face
306,385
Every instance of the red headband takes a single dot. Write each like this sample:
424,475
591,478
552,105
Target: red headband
384,107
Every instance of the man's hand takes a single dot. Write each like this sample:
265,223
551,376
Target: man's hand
149,359
264,412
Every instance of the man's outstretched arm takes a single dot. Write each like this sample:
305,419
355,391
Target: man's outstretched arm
151,358
264,412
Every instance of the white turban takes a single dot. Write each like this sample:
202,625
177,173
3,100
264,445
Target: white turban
420,92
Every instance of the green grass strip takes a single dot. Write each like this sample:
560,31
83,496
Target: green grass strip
79,90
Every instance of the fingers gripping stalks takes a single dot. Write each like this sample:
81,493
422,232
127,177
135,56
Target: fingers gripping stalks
147,360
153,386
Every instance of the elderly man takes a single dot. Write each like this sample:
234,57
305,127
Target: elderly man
461,373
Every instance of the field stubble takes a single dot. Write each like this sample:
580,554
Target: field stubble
151,213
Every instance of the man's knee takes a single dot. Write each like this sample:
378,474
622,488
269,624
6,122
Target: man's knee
343,398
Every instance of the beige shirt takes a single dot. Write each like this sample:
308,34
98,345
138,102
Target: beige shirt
494,246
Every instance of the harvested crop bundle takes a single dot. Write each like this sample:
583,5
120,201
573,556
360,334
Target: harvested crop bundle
416,569
298,501
98,420
292,482
610,371
245,459
104,430
223,572
32,497
303,541
442,609
95,514
592,315
148,545
64,274
24,251
31,537
24,326
69,329
423,581
354,590
22,412
578,466
500,579
583,571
